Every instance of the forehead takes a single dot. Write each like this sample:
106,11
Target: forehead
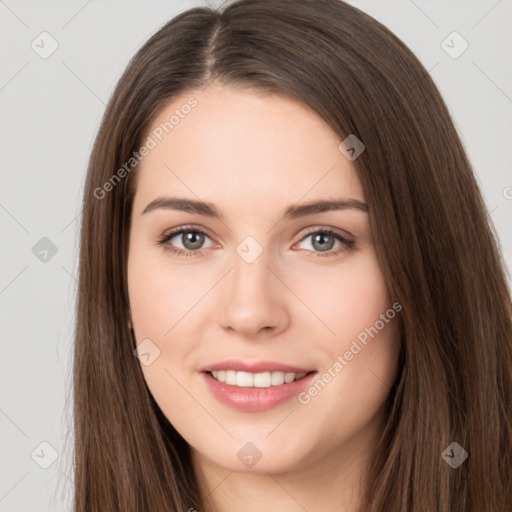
243,147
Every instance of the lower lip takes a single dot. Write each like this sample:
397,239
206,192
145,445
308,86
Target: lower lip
255,399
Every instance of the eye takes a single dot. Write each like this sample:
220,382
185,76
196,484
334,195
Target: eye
324,239
191,239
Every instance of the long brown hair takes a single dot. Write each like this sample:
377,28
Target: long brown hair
435,243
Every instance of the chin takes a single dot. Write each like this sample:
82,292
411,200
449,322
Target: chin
259,457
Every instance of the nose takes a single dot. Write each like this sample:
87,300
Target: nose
254,299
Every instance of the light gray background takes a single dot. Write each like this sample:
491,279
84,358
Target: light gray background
50,111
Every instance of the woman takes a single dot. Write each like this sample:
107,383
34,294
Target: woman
281,224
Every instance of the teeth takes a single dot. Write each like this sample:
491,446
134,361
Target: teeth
255,380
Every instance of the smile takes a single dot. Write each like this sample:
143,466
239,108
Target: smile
255,380
255,392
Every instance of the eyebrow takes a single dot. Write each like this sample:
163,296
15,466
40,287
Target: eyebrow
291,212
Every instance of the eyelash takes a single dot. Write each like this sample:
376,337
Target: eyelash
164,240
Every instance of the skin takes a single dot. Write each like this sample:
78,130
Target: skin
252,155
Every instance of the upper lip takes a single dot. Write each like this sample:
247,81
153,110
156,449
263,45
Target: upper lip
254,367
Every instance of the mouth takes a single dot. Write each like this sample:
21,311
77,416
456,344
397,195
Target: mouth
255,392
266,379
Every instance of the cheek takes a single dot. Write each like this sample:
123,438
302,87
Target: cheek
358,336
347,300
161,295
162,300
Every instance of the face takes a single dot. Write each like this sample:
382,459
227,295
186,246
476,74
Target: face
255,288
